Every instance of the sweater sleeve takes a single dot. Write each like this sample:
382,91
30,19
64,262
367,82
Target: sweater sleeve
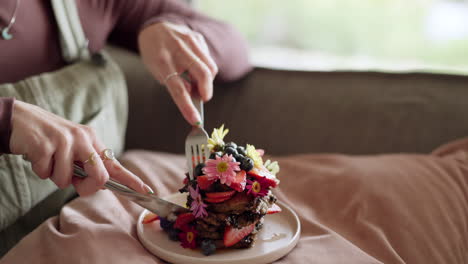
6,109
227,47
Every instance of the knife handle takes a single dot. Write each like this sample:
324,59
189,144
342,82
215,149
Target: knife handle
110,184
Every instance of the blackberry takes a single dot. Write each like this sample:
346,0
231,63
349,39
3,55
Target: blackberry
231,151
198,171
230,145
214,154
165,224
208,247
247,164
239,157
173,234
241,150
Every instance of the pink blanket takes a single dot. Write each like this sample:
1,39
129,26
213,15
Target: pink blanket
372,209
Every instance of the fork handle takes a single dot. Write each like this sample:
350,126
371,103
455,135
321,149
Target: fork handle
198,103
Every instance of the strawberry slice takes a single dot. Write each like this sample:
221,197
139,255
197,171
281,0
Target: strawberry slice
217,200
264,172
274,209
183,219
149,217
204,183
220,194
240,198
219,197
239,181
234,235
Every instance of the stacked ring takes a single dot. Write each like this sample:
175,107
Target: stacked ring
108,154
168,77
91,159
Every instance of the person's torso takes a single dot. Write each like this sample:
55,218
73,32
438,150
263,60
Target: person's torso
35,46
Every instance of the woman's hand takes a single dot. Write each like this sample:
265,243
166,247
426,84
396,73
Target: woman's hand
169,50
52,145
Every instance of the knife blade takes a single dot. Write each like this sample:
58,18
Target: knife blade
153,203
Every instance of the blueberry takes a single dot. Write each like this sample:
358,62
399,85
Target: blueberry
230,145
247,164
239,157
165,224
198,169
231,151
241,150
214,154
208,247
173,234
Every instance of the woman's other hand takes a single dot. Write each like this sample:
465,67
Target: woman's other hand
169,50
52,145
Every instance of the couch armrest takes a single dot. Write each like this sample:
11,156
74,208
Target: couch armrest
297,112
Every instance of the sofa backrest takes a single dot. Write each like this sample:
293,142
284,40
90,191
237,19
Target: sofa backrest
287,112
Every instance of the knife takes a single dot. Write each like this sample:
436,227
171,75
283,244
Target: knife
153,203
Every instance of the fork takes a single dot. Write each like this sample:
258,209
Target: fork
196,143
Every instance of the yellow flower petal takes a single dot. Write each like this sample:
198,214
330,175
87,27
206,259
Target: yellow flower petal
273,167
217,137
254,155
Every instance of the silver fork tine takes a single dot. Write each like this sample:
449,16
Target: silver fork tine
189,155
206,152
195,144
199,154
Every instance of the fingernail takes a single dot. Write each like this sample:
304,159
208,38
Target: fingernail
198,124
148,189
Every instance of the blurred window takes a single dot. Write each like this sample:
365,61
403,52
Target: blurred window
390,35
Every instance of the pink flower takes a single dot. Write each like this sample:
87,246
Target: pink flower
188,237
198,206
222,168
258,187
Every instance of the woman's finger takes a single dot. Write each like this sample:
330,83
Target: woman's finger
117,171
187,60
93,166
182,99
42,162
63,162
124,176
43,167
203,79
200,49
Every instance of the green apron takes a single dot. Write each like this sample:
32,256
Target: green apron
84,92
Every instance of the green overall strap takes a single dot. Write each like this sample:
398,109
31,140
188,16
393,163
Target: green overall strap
72,38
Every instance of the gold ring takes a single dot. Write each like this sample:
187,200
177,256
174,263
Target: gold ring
108,154
193,62
168,77
91,159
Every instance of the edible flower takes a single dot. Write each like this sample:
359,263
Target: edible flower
254,155
222,168
188,237
273,167
216,141
258,187
198,206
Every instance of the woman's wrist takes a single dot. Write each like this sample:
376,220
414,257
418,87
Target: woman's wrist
6,110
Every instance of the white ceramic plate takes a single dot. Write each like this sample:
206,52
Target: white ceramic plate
279,235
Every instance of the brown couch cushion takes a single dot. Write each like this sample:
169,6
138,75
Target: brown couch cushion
401,208
305,112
